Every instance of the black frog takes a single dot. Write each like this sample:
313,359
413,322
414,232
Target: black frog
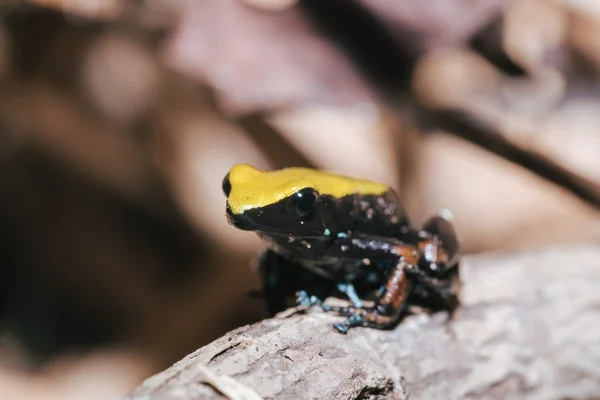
328,234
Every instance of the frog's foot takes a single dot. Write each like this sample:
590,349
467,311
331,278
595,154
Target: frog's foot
435,293
372,317
304,300
350,322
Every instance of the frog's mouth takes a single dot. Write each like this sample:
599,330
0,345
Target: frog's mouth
270,223
240,221
245,223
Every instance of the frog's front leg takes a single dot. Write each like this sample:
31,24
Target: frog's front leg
397,287
350,291
275,273
303,299
282,279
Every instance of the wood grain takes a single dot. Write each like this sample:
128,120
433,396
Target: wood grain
528,328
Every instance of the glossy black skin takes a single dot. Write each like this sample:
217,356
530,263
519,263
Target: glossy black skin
355,241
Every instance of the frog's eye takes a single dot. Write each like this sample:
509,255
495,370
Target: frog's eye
226,185
302,203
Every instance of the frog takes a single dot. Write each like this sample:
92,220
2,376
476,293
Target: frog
331,235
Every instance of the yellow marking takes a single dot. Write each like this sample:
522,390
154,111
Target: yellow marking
253,188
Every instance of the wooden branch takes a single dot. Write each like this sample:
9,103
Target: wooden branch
528,327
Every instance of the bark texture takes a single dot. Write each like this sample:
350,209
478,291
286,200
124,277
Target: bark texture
528,328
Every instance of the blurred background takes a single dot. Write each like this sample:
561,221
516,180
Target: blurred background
120,118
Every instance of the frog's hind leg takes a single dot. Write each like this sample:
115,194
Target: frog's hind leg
446,242
349,290
437,276
388,308
436,293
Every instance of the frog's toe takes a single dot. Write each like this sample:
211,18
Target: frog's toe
340,328
304,300
355,319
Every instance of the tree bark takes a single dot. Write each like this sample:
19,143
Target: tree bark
528,328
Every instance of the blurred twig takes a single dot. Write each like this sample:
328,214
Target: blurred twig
468,127
279,150
388,64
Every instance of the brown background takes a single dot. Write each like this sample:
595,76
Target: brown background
119,119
